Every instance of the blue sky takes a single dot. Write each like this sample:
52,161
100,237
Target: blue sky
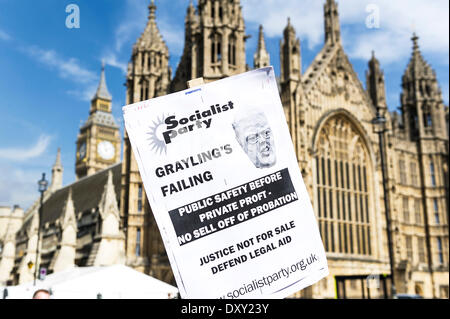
48,73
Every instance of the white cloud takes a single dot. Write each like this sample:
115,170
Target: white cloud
18,186
306,17
389,46
68,68
22,154
4,36
84,94
111,59
445,91
125,31
398,19
133,22
173,35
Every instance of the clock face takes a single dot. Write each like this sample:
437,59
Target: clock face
106,150
82,150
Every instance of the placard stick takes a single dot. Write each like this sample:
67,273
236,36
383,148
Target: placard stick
195,82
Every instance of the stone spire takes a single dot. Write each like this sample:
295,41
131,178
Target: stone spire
88,161
261,42
58,159
290,56
417,67
289,29
8,253
108,203
415,39
290,79
214,43
421,97
149,73
110,240
152,10
151,37
102,90
57,173
191,22
375,83
68,217
332,27
25,272
65,255
190,12
261,58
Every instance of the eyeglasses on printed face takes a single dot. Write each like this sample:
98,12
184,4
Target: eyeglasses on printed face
256,137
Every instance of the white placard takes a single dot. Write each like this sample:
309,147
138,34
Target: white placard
222,179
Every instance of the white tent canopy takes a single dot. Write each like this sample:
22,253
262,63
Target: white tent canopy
109,282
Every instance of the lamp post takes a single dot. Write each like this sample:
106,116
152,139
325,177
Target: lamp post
42,188
379,127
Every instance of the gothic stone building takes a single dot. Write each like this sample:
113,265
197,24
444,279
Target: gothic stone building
329,114
80,222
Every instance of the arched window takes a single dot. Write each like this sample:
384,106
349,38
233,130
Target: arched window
216,48
402,170
414,177
409,248
432,173
295,61
232,50
138,242
157,87
421,244
220,12
417,211
99,223
144,90
440,253
414,123
405,209
213,11
342,184
139,202
428,89
427,119
436,210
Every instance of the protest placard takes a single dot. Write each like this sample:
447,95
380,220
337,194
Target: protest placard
223,182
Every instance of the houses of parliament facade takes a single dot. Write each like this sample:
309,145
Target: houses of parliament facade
104,216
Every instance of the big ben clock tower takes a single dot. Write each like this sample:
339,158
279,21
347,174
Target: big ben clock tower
98,143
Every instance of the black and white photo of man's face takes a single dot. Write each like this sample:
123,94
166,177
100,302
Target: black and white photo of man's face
256,139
